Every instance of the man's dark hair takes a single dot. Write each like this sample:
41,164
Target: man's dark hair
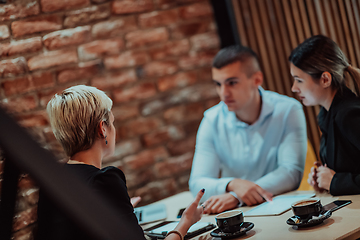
232,54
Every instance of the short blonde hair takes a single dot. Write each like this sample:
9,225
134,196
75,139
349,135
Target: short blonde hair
75,115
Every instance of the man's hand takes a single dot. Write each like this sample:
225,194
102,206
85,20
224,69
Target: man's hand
220,203
324,177
249,192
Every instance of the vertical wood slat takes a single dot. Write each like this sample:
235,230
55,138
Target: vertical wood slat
338,26
239,19
346,32
354,36
262,48
268,39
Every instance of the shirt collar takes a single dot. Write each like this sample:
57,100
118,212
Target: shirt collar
267,108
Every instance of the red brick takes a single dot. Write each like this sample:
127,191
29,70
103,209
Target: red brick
158,18
83,71
86,15
182,146
23,46
67,37
204,74
165,4
146,158
135,179
13,67
99,48
153,107
197,59
36,25
25,218
124,112
4,32
156,190
126,59
125,148
33,119
193,94
114,27
19,10
49,135
28,83
163,135
99,1
212,102
27,198
114,80
178,80
24,234
131,6
174,166
142,91
52,6
162,68
52,59
146,37
26,182
184,113
196,10
138,126
192,126
189,29
205,41
20,104
168,49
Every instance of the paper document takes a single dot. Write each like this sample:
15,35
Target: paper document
277,206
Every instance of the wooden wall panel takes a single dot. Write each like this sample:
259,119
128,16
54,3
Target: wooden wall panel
272,28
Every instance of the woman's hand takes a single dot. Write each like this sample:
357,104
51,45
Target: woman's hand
135,200
313,178
324,177
191,215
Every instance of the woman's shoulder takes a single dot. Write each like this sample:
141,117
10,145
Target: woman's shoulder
92,173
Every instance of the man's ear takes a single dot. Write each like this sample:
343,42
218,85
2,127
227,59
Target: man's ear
258,78
325,79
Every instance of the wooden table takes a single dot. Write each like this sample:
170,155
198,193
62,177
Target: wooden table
343,224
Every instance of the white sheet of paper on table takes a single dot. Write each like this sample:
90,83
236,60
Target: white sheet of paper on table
277,206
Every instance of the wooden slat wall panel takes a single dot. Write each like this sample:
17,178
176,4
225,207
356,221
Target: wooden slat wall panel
272,28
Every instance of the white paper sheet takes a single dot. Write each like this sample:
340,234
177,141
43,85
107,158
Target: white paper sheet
277,206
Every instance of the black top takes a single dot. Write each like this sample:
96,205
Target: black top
340,142
108,182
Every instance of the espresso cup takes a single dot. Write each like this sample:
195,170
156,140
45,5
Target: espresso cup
307,208
230,221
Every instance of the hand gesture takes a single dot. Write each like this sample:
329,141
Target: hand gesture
324,177
220,203
249,192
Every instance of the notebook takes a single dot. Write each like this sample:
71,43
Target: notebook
150,213
277,206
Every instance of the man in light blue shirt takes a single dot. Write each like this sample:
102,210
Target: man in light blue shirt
255,139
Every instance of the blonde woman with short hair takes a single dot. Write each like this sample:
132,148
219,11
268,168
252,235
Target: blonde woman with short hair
83,123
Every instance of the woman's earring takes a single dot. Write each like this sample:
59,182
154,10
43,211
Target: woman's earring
105,140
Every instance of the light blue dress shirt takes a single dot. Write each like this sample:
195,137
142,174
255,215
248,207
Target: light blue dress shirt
271,152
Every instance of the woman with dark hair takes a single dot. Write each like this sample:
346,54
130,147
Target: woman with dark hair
323,76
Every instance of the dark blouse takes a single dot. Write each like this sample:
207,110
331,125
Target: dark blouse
340,142
108,182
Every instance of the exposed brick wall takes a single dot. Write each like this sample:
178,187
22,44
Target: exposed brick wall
152,57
